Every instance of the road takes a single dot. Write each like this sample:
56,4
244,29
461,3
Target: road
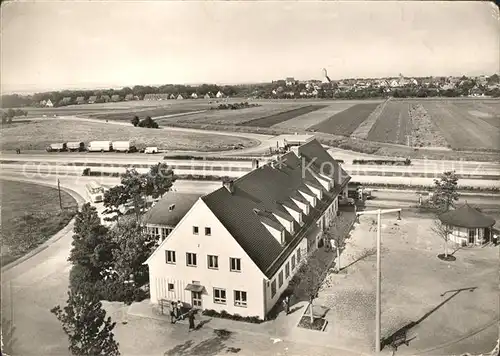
40,282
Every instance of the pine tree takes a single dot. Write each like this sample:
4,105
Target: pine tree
445,191
92,249
85,323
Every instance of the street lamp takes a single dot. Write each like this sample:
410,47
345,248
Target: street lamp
379,213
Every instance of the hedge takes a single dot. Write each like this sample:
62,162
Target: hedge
387,162
225,315
201,158
426,188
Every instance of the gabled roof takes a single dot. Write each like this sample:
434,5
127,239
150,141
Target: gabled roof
161,214
258,197
468,217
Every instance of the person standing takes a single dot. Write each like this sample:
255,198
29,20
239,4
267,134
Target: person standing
173,317
191,320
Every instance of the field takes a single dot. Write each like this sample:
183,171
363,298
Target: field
232,117
486,111
271,120
461,129
393,125
170,109
38,134
30,215
315,117
345,122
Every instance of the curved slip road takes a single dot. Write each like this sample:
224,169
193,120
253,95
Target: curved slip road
31,288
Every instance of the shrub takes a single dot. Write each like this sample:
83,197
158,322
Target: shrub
225,315
86,172
388,162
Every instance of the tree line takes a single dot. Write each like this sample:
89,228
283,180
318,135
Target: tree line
107,262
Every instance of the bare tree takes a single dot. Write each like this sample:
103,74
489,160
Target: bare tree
311,279
442,231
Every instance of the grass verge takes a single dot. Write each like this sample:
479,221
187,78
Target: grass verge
30,216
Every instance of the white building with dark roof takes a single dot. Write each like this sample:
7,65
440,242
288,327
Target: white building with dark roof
164,216
237,248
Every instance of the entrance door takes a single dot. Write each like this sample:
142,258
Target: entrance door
196,299
472,236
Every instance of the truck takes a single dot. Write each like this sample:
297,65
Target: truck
123,146
99,146
57,147
76,146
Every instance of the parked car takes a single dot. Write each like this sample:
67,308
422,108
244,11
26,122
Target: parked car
151,150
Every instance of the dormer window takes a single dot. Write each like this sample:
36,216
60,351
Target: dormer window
282,237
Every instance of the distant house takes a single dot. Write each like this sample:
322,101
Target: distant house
448,86
116,98
383,83
207,96
129,97
43,103
66,100
152,96
290,81
172,96
274,92
49,104
92,99
308,86
180,97
303,93
315,92
476,91
80,100
194,96
105,98
394,83
219,94
413,81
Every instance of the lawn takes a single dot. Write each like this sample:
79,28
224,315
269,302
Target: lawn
30,215
345,122
393,125
461,129
169,109
429,299
232,117
271,120
315,117
38,134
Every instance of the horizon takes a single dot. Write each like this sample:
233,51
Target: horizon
235,43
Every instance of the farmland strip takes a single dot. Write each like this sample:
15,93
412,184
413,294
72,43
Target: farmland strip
313,118
269,121
345,122
393,124
363,130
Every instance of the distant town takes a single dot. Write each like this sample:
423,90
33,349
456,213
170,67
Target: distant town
288,88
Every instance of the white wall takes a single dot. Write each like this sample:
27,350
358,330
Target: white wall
460,235
297,216
316,191
304,207
276,233
221,244
311,199
271,300
288,225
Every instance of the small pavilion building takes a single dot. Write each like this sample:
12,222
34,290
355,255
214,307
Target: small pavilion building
467,226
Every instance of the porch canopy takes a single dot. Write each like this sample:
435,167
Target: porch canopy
194,287
468,217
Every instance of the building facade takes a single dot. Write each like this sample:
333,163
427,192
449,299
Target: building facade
238,247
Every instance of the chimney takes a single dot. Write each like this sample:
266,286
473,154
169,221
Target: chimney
229,185
171,207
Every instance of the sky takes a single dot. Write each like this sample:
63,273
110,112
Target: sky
90,44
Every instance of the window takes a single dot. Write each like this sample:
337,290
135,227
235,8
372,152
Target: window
165,231
240,298
154,232
298,255
280,279
170,287
235,264
293,262
273,288
213,262
195,230
287,270
219,296
208,231
170,256
191,259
